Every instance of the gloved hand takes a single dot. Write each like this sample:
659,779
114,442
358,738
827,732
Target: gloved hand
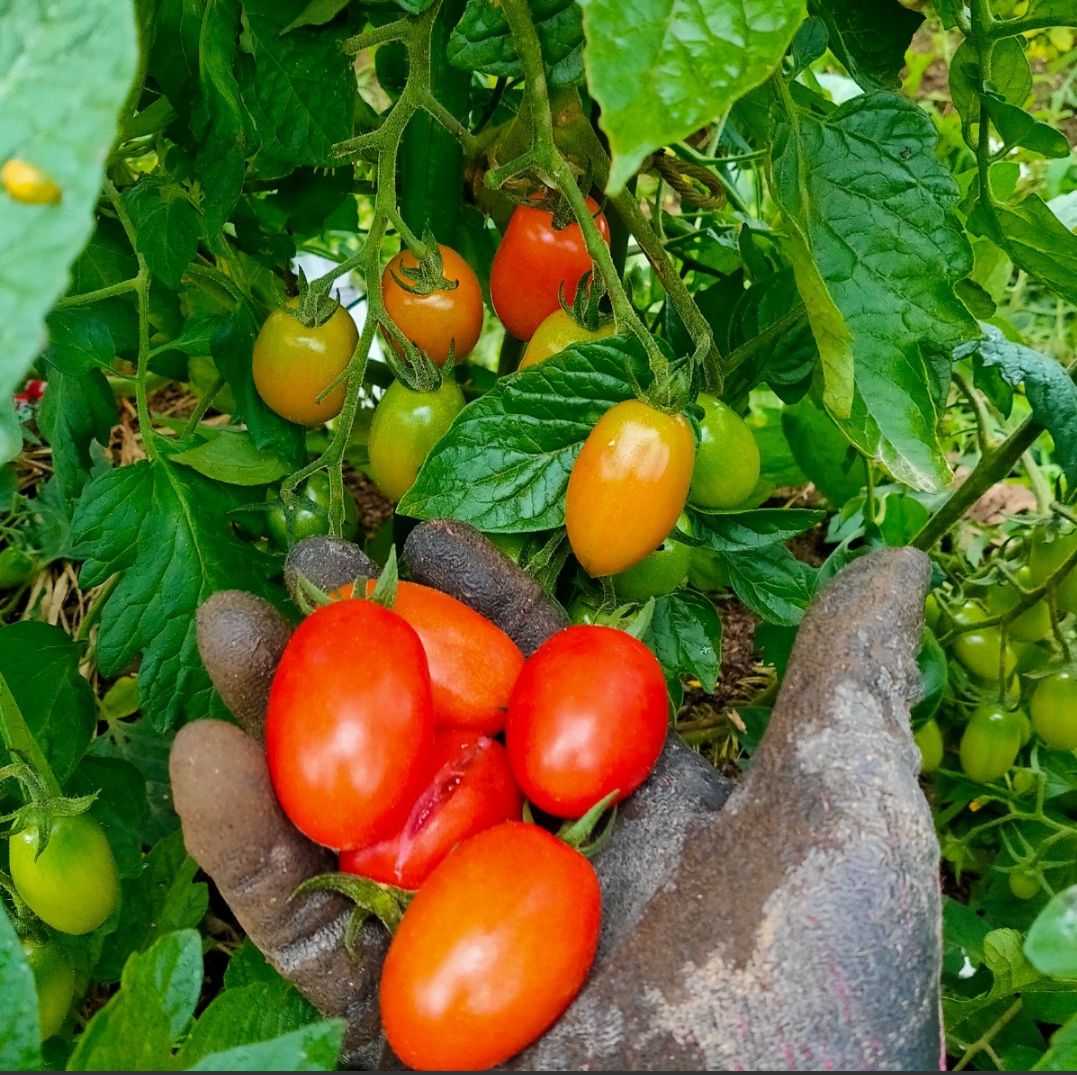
790,921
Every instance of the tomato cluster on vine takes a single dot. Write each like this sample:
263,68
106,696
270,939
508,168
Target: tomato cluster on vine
384,733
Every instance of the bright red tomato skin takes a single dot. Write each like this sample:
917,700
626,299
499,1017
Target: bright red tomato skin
473,664
491,951
532,263
471,789
588,717
350,724
441,321
628,486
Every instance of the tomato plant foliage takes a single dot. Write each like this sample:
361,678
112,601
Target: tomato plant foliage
851,223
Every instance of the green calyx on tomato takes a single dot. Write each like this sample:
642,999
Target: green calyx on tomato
71,885
406,425
436,303
990,743
660,572
628,485
1047,553
311,514
294,364
727,460
1054,709
54,980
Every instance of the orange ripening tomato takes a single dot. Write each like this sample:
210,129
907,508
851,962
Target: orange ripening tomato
471,789
534,261
350,724
491,951
473,664
439,321
293,364
628,485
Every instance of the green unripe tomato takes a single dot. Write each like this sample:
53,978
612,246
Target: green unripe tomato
932,612
1024,781
54,979
929,741
1054,710
990,743
1024,724
660,572
1031,625
72,885
308,521
727,459
1046,556
406,425
980,651
16,567
1024,884
707,571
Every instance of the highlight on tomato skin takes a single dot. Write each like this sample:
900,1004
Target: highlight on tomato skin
491,951
628,485
350,724
471,789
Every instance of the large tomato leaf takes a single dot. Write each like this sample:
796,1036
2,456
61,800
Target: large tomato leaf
165,530
870,39
67,66
664,68
685,633
505,462
873,206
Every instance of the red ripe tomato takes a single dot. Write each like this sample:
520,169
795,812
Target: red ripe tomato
533,262
350,724
471,790
439,321
628,485
473,663
588,717
491,951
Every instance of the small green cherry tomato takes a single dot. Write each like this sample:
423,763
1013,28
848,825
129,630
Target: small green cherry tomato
932,612
1046,555
72,885
1054,710
1031,625
312,520
990,743
662,572
727,460
929,741
16,567
980,651
1024,884
406,425
54,979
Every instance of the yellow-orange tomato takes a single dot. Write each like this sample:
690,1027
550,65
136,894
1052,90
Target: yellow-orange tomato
628,485
293,364
29,184
557,332
439,321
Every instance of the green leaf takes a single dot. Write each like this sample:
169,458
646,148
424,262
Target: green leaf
254,1013
76,411
685,633
120,807
1036,240
299,89
671,66
1018,128
20,1038
505,462
158,992
232,347
1011,76
58,111
1062,1054
481,41
414,7
233,458
313,1048
10,431
1050,390
1011,969
316,13
874,205
870,39
772,582
823,451
165,530
746,530
80,340
167,227
1051,944
41,665
1059,11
